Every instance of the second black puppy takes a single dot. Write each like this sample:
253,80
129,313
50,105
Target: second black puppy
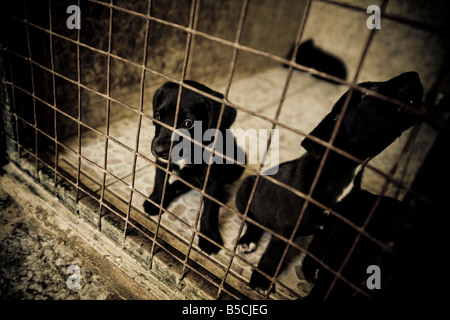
311,56
368,127
196,112
390,223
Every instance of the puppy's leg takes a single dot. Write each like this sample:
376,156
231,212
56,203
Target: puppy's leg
269,261
209,223
248,242
157,191
172,191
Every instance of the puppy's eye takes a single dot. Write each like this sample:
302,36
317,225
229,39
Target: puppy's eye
156,116
188,124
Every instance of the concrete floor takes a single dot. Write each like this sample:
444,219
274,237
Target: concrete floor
37,248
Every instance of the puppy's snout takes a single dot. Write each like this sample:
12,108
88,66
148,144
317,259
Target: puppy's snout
160,151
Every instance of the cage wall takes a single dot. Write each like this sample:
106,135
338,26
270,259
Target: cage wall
77,111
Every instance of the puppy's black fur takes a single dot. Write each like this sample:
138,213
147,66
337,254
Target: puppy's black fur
310,56
390,223
193,107
368,127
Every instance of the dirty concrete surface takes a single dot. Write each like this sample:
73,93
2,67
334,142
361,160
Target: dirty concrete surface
40,260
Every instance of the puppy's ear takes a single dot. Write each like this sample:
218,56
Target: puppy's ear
162,93
322,131
308,44
325,128
213,107
228,116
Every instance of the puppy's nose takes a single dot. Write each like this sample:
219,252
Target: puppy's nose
160,151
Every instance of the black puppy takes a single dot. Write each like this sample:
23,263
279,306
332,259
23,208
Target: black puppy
368,127
313,57
389,223
197,114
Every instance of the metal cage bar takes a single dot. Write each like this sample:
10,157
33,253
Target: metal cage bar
177,109
108,113
34,125
141,108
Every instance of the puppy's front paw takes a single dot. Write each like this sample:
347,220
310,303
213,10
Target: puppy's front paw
209,247
150,208
246,245
259,281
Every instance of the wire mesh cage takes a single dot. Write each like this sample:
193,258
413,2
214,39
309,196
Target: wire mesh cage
78,115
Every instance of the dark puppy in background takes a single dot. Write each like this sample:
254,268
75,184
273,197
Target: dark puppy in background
311,56
368,127
389,223
195,110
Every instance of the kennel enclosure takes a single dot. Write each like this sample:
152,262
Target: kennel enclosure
77,111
